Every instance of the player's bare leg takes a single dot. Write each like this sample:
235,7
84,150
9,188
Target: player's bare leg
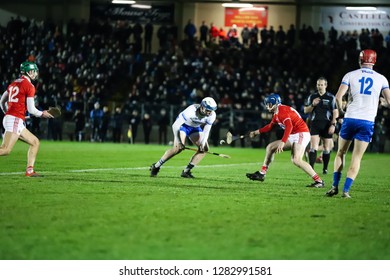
339,159
9,140
354,167
29,138
176,149
339,162
196,139
359,149
268,159
270,152
297,153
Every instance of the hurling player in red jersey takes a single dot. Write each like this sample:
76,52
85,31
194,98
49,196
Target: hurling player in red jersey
15,102
296,137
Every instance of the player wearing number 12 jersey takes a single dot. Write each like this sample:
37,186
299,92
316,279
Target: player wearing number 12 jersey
364,87
296,137
15,102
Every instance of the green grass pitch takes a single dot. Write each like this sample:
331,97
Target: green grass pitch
98,202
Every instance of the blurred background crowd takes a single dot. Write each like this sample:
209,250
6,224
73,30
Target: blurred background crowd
111,86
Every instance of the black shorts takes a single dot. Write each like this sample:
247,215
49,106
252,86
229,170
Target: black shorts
320,128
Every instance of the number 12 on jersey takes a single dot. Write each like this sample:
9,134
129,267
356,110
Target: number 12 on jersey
365,85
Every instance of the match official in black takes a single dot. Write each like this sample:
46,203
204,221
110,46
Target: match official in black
321,106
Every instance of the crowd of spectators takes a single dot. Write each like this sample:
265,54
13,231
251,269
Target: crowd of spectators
106,63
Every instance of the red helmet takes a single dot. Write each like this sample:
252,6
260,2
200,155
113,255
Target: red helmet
367,56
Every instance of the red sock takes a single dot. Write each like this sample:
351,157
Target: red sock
264,169
30,169
316,178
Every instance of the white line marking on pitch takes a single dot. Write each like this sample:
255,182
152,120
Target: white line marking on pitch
125,168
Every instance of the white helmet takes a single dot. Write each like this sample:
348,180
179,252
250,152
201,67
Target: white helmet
209,104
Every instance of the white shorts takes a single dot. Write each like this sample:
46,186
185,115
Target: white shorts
13,124
302,138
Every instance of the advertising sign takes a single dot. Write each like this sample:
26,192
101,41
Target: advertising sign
349,20
249,16
157,14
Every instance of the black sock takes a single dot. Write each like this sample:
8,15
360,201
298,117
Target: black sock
312,157
189,167
325,159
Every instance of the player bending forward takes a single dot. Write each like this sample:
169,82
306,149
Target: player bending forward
189,124
296,137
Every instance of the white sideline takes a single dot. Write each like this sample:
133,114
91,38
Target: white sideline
124,168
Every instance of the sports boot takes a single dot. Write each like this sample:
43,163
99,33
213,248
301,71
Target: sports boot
346,195
154,170
316,184
257,176
187,174
333,191
33,174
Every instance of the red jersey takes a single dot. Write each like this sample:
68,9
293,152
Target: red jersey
18,91
287,118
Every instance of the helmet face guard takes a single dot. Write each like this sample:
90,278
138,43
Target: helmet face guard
367,57
272,101
30,69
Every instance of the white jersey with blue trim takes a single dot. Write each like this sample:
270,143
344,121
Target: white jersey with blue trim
191,118
365,86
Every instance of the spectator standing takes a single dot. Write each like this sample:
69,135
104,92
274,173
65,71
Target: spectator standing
163,123
364,39
280,36
204,32
233,35
79,120
96,118
271,35
133,125
291,33
214,33
264,35
118,124
332,36
148,37
190,31
137,33
162,35
254,34
105,124
320,36
245,35
147,126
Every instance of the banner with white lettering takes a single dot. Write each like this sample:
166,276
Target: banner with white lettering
349,20
156,14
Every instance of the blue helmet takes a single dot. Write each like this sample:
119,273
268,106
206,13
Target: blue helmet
273,99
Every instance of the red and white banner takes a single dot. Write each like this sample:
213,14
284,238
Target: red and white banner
249,16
